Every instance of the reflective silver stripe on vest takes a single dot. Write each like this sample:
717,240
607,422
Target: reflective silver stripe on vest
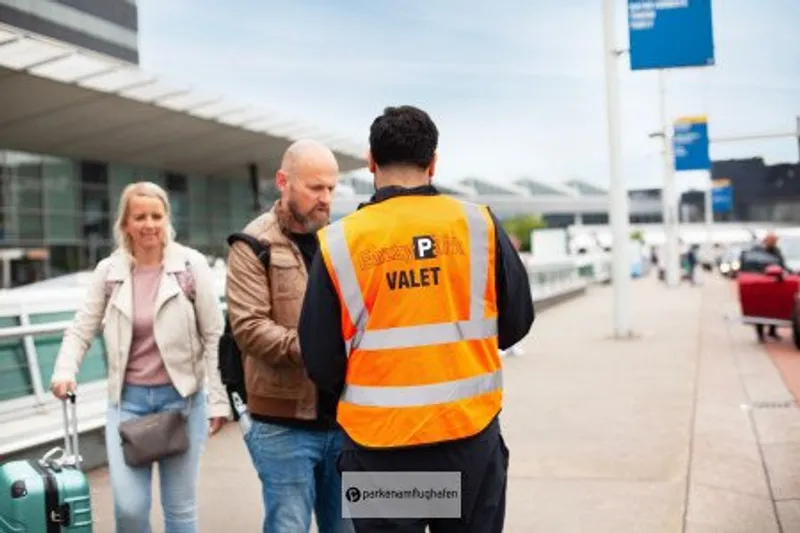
428,334
423,395
478,259
346,275
477,327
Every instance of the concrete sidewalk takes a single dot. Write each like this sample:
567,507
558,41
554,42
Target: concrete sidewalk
687,427
600,430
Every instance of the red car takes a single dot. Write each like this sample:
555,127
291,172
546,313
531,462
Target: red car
768,293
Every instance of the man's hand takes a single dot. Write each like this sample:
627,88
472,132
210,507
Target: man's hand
215,424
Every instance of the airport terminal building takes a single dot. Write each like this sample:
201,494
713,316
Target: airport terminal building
109,27
80,120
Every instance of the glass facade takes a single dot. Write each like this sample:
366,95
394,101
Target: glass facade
57,215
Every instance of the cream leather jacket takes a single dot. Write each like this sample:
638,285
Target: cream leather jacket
187,334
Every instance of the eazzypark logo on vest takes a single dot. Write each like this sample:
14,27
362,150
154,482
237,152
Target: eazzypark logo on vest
420,247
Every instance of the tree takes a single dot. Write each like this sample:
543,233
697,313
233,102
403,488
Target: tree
521,227
637,235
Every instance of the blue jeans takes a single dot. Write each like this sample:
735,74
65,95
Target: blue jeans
298,475
132,487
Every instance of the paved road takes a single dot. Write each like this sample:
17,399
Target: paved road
689,426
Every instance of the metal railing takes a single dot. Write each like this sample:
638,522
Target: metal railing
548,279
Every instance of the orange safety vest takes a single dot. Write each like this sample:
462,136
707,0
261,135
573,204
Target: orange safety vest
415,276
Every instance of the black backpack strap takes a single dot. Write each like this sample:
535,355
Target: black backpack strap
260,249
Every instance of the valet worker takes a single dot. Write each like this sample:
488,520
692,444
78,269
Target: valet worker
407,303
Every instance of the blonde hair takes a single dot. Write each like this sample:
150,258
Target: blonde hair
140,188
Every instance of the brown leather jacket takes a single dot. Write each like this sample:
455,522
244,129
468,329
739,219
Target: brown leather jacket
264,315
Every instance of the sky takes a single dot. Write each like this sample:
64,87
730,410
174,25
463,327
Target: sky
516,87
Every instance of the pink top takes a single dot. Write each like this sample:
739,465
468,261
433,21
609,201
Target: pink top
145,366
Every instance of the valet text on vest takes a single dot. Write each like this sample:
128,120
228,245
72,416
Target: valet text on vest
424,247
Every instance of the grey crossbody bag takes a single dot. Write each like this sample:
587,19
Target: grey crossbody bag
153,437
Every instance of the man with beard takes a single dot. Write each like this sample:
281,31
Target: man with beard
294,439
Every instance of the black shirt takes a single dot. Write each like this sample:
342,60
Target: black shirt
326,400
320,329
308,244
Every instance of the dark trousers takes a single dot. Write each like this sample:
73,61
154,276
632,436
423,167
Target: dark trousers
482,462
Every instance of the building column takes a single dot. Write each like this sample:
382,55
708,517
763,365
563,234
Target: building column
255,186
798,137
269,192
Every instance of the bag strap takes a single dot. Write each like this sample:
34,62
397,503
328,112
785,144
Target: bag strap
260,249
186,281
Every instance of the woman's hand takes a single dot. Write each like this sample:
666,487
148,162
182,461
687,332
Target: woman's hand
62,387
215,424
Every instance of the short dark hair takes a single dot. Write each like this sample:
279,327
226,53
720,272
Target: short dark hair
403,135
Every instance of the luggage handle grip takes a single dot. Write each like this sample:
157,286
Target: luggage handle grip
71,434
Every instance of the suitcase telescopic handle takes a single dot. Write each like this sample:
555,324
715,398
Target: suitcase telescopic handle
71,429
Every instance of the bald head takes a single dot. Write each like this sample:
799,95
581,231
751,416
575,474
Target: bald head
306,155
307,179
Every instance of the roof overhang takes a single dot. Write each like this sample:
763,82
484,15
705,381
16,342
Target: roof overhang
544,204
63,101
550,204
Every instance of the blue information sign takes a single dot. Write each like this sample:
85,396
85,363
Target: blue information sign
721,196
670,33
690,144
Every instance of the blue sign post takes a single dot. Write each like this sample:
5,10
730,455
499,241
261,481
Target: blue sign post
690,144
663,35
670,33
721,196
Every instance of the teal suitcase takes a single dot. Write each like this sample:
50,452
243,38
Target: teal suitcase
50,495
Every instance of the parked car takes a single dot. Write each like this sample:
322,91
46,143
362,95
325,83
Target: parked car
768,293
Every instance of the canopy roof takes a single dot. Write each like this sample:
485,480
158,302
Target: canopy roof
60,100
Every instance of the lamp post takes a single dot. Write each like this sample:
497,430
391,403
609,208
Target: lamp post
618,195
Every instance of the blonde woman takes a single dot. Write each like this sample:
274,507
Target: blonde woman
156,304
